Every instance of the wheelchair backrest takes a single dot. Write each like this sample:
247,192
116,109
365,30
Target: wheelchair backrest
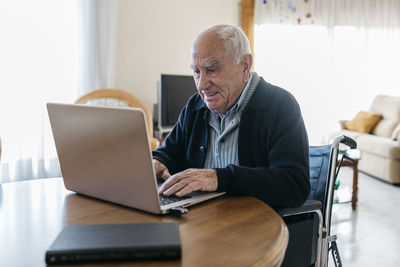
320,157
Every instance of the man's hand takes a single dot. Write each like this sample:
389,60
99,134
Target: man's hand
160,169
188,181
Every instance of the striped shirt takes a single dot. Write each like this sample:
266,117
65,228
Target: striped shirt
224,130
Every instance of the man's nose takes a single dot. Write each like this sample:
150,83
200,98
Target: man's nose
203,82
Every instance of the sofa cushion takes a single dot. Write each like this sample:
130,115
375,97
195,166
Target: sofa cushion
389,107
396,133
378,145
363,122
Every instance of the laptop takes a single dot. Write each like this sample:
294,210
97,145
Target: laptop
104,152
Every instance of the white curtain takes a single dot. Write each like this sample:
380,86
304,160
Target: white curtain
333,55
50,51
38,64
329,13
98,34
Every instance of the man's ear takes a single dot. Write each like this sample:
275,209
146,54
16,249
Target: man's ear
247,62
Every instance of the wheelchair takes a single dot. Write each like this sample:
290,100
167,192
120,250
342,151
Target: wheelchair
309,225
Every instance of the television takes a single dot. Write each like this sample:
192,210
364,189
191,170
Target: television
173,93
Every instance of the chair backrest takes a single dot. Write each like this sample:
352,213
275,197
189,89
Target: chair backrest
117,97
320,168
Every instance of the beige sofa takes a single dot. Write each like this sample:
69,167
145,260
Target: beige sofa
380,149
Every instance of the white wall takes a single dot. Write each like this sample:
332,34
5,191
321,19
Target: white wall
155,37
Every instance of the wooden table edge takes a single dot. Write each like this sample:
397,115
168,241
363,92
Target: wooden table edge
277,254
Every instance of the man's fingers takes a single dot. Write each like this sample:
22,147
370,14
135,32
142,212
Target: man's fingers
190,180
175,183
182,188
161,170
165,174
189,188
168,183
174,189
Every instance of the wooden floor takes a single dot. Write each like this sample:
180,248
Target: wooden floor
369,236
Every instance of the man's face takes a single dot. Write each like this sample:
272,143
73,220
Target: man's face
218,79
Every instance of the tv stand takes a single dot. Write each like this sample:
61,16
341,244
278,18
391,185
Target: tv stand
161,132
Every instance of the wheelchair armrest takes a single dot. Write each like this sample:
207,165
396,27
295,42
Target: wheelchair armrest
307,207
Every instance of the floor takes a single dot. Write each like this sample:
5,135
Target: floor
369,236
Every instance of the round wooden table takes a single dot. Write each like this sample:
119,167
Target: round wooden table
229,231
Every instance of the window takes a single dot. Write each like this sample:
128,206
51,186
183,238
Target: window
39,64
332,73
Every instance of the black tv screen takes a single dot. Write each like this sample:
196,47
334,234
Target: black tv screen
174,92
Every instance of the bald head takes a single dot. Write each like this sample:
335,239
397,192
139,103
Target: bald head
231,39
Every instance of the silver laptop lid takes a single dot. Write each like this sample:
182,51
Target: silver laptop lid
105,153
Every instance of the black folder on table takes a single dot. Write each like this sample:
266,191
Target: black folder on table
115,242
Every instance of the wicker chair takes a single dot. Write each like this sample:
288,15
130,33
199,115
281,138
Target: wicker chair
116,97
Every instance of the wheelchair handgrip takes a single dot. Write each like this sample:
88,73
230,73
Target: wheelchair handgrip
349,142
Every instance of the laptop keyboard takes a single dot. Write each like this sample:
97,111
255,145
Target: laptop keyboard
164,200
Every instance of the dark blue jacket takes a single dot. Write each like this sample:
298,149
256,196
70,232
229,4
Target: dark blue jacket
272,147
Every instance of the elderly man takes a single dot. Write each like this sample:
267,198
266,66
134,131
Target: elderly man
239,134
